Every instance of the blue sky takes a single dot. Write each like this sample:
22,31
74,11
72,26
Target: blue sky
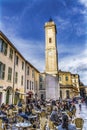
22,21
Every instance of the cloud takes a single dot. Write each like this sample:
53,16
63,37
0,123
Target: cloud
62,23
84,2
76,63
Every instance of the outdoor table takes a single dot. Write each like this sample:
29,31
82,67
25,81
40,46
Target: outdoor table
23,125
64,112
1,116
32,116
38,112
14,111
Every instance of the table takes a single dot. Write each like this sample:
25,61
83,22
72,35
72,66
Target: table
32,116
23,125
1,116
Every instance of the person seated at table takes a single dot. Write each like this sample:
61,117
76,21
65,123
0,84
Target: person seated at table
66,124
54,116
22,114
2,105
38,106
3,112
11,106
73,108
53,103
28,111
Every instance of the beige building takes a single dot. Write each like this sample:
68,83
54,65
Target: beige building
32,80
69,84
17,76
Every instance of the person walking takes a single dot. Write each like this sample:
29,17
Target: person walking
80,106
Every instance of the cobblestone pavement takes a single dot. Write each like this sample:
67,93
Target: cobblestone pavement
82,114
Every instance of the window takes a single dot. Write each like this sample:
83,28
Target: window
22,80
27,84
41,86
2,70
16,77
32,73
0,45
28,70
11,54
3,47
9,73
66,78
22,65
41,79
16,60
60,94
30,85
67,94
50,40
59,78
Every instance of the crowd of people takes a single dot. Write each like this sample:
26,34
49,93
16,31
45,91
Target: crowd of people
58,112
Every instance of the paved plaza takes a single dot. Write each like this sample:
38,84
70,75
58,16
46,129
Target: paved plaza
82,113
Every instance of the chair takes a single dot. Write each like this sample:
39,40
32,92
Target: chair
78,122
74,112
49,109
43,122
20,119
51,125
43,114
69,114
33,111
1,125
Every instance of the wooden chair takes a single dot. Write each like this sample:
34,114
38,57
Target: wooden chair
51,125
69,114
20,119
79,123
43,114
1,125
43,122
33,111
49,109
74,113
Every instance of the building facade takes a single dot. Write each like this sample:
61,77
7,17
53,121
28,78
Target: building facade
17,76
69,84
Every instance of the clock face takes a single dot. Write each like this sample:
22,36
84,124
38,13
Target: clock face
50,53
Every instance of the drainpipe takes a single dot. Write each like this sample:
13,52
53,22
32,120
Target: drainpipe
25,82
13,79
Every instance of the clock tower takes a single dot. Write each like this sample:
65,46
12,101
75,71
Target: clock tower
51,54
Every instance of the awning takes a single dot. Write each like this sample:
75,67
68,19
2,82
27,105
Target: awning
21,93
30,92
